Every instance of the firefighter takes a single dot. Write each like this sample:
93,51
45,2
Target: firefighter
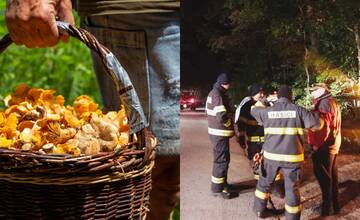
326,144
220,129
283,150
250,135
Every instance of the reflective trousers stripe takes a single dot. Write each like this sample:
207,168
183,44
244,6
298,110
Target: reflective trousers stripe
293,209
255,139
277,178
219,132
284,131
217,180
248,121
261,195
217,109
284,157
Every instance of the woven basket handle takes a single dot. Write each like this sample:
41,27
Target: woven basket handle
113,68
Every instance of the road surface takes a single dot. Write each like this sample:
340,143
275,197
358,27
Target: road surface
197,203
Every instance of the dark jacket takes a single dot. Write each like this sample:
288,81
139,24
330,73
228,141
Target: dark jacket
246,125
330,135
218,112
284,125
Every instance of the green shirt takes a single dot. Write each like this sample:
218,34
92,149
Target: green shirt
108,7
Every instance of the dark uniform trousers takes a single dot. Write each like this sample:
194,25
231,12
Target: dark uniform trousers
291,175
253,148
278,187
221,162
326,172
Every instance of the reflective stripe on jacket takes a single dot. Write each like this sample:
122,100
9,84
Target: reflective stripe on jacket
284,125
217,110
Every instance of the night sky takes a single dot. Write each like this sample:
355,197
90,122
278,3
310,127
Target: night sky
199,69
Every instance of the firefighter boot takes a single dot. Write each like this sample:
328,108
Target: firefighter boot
225,194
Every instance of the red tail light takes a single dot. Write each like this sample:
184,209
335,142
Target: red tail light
192,100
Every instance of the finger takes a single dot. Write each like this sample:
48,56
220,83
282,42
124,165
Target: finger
14,33
34,29
13,28
64,12
30,35
48,33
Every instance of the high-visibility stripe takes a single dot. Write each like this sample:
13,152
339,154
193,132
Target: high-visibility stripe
220,108
277,178
217,109
210,112
261,195
284,157
293,209
248,121
217,180
219,132
284,131
228,123
255,139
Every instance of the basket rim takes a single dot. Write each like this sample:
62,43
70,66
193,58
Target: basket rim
30,178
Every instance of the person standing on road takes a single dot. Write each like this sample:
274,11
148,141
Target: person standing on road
283,150
326,144
220,129
249,133
145,36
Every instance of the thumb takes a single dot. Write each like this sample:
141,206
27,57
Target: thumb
64,12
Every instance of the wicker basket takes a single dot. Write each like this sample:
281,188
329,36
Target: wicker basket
114,185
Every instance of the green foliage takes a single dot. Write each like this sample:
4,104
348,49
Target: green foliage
66,68
266,42
176,212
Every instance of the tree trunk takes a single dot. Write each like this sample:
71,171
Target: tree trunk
310,17
357,40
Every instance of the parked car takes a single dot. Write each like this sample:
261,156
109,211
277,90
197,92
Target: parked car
188,100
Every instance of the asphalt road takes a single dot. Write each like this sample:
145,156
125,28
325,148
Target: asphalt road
197,203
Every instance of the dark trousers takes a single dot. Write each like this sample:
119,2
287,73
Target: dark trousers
221,162
292,185
326,172
165,191
253,148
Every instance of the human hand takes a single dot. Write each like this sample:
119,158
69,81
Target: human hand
33,22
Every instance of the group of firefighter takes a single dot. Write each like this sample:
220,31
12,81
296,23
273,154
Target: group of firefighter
273,130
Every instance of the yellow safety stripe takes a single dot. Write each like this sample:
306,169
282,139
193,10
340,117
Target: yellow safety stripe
255,139
217,180
261,195
219,132
217,109
284,131
228,123
277,178
220,108
293,209
284,157
248,121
